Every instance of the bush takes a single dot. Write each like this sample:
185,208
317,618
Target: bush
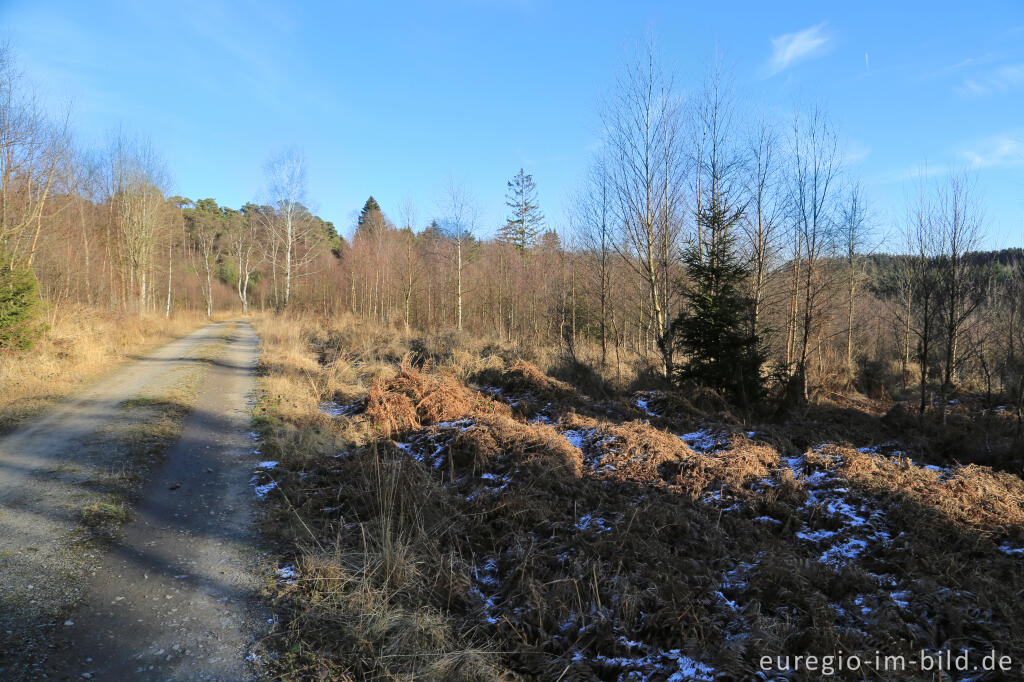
19,305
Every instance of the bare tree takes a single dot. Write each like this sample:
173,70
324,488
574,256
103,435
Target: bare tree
34,152
641,125
854,237
962,286
244,236
763,220
919,284
459,223
813,180
408,216
591,219
290,221
137,180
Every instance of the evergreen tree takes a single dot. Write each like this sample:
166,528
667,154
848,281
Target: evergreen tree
19,304
371,219
369,208
526,221
712,331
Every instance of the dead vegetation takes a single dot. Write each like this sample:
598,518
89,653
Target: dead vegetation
510,528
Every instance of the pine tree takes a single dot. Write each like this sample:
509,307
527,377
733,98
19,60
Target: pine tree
526,221
713,331
19,304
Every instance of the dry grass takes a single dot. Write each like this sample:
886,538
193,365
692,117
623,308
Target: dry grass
81,344
442,531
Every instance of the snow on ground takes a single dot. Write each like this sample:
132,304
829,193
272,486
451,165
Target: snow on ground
287,574
485,578
329,407
845,525
266,465
429,445
705,440
672,665
641,403
262,490
577,438
594,523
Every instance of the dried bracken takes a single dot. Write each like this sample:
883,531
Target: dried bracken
466,538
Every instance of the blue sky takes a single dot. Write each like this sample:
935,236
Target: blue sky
394,99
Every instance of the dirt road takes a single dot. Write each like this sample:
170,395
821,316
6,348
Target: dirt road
171,595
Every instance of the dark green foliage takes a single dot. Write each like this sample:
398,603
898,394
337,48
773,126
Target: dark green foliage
19,305
713,330
370,207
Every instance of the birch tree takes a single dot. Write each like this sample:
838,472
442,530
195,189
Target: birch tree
641,127
459,223
290,222
591,220
813,184
137,180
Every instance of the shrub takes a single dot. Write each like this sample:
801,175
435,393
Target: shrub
19,305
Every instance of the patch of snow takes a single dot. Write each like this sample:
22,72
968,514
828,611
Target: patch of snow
333,409
901,599
701,441
1012,551
460,424
287,574
591,522
816,535
266,465
641,404
690,669
767,519
840,554
262,490
486,577
728,602
485,574
577,438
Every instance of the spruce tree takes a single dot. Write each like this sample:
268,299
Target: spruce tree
713,330
19,304
370,207
526,221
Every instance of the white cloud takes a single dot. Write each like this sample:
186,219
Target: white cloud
998,81
791,48
855,152
1006,149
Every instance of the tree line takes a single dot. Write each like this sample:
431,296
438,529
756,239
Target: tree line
714,246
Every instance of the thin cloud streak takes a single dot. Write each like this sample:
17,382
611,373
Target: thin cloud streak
790,48
1002,150
998,81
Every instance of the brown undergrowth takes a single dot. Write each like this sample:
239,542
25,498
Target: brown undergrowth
472,518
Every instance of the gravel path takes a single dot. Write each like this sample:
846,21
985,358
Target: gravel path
172,596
